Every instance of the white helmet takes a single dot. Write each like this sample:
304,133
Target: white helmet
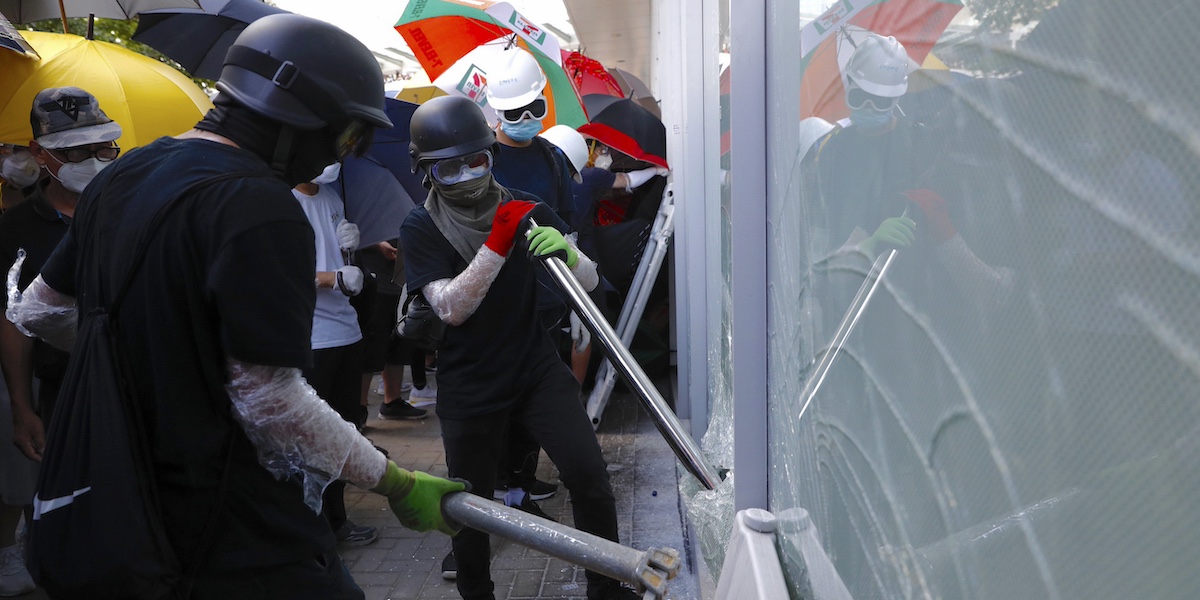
879,66
570,142
514,80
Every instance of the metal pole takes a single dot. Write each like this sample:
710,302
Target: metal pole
648,571
849,320
635,302
684,446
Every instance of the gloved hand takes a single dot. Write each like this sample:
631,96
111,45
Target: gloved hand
897,232
933,206
505,224
579,334
546,240
350,280
661,172
416,497
347,235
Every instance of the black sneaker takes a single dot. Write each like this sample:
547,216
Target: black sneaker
614,590
450,567
350,534
399,409
528,505
540,490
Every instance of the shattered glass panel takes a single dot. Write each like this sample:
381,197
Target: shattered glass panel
984,339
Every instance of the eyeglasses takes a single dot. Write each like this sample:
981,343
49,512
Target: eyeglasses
534,110
354,139
75,155
857,99
462,168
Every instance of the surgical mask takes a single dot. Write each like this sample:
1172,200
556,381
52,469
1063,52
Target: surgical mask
603,161
463,194
20,169
329,175
76,176
871,119
523,131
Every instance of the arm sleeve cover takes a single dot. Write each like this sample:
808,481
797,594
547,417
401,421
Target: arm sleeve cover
41,311
296,432
584,269
455,300
985,285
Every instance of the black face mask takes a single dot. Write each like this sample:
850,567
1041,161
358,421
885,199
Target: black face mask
310,152
296,156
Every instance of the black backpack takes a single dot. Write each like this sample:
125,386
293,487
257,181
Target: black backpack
97,529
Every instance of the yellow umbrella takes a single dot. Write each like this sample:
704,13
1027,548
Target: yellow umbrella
419,94
148,98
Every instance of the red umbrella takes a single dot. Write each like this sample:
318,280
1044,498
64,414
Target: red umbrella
917,24
588,76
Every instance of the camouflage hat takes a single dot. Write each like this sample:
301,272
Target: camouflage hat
66,117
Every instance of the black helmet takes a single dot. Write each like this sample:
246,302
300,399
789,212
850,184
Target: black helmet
445,127
305,73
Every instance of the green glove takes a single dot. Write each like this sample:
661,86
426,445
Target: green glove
547,240
416,497
897,232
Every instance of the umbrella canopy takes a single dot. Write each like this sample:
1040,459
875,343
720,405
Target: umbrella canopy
622,124
148,98
588,76
455,42
389,148
11,39
28,11
375,200
199,38
419,94
826,43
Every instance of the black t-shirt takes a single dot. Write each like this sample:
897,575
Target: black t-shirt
228,273
37,227
484,363
530,168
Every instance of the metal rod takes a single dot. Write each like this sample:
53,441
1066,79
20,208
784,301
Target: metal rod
635,302
648,570
857,306
684,446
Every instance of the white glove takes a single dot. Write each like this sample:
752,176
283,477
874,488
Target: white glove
347,235
350,280
661,172
579,334
638,178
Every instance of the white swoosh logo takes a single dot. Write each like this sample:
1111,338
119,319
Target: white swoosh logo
41,507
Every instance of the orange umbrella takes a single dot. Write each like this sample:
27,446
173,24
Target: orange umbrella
148,98
824,44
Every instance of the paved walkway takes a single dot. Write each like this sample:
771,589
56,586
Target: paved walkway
403,564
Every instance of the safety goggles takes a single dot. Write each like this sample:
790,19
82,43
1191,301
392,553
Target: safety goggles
76,155
534,110
354,139
856,99
461,168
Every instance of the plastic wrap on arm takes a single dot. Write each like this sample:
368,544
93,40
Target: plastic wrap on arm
455,300
987,285
296,432
40,311
585,268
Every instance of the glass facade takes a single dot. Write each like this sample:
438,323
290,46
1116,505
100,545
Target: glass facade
982,270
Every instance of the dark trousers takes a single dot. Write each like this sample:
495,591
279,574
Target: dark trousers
337,377
548,409
322,577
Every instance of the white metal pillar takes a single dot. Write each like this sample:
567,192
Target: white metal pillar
748,124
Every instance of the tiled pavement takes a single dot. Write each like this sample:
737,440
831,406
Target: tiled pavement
403,564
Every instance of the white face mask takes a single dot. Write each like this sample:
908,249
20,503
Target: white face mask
329,175
603,161
76,176
20,169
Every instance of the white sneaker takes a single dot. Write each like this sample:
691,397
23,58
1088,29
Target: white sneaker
426,395
14,577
